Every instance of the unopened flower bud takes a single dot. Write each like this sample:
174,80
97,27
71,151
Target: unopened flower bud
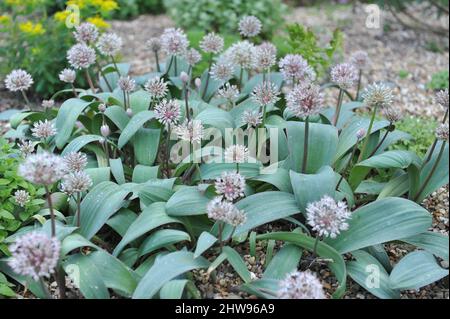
102,107
129,112
184,77
198,82
104,130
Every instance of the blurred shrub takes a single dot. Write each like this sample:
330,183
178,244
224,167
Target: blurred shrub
422,130
439,81
304,42
132,8
223,16
11,215
36,41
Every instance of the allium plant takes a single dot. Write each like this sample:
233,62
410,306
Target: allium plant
163,177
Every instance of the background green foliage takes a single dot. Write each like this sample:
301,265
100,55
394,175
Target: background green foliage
223,16
439,81
422,129
11,215
133,8
304,42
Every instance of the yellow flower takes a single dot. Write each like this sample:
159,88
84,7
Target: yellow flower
36,51
108,5
61,16
5,19
98,21
80,3
31,29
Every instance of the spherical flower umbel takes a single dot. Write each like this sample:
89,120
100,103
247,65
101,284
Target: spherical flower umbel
378,95
265,93
242,54
236,154
81,56
35,255
222,70
229,92
18,80
43,129
250,26
345,75
212,43
231,185
360,59
26,148
442,98
168,112
156,87
305,100
154,44
42,168
442,132
86,33
225,211
252,118
75,161
127,84
392,114
21,197
109,44
295,68
190,131
328,217
266,56
76,182
193,57
48,104
67,75
301,285
174,41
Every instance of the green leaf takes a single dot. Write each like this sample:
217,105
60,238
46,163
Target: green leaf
237,263
143,173
99,174
262,287
415,270
396,187
322,145
187,201
117,170
173,289
323,250
136,122
118,116
151,217
204,242
99,205
432,242
382,221
392,159
284,262
263,208
216,118
162,238
347,138
122,220
146,145
79,142
115,274
16,119
371,275
140,101
309,188
165,269
86,276
280,179
75,241
275,77
68,114
214,170
441,174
